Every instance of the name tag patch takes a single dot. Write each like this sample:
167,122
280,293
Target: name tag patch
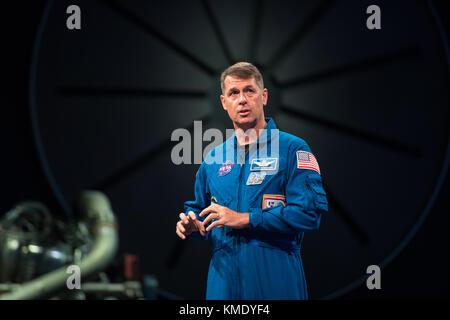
255,178
264,164
273,200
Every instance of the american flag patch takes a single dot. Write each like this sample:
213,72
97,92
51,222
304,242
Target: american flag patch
306,160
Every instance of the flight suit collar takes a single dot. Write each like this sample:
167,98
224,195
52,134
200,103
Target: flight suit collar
270,132
263,138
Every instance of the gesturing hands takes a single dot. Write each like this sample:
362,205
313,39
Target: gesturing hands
224,217
189,224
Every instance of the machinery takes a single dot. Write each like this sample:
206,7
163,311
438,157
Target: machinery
43,257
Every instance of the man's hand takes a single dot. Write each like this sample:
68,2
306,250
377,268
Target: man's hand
224,217
189,224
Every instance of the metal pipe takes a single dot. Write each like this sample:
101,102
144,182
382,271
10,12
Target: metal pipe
96,208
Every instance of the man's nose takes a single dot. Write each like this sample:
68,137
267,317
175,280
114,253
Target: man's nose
242,98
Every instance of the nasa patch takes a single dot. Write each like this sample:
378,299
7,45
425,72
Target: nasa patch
225,168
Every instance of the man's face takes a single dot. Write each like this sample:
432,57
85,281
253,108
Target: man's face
244,101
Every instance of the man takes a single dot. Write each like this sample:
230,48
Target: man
254,205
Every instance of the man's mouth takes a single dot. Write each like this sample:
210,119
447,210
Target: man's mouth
244,113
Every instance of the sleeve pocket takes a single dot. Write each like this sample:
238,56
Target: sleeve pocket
314,183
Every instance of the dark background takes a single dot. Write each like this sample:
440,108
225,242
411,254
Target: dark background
420,271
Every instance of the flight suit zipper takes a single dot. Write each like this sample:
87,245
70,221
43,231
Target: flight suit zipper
237,239
241,163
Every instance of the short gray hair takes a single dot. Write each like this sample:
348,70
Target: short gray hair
244,70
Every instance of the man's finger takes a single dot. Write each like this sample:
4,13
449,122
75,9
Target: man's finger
201,228
192,215
183,218
206,211
180,226
211,216
211,208
214,224
182,236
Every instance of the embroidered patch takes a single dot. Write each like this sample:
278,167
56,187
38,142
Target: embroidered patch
225,168
255,178
264,164
273,200
306,160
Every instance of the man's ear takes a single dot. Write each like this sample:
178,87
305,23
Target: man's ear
265,96
222,99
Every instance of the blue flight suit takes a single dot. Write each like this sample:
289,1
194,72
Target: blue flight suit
277,182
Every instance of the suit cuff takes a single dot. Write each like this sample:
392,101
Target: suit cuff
255,218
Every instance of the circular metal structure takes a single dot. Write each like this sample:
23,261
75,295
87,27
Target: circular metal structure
372,104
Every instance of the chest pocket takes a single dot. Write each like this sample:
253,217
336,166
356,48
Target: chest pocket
220,196
221,188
